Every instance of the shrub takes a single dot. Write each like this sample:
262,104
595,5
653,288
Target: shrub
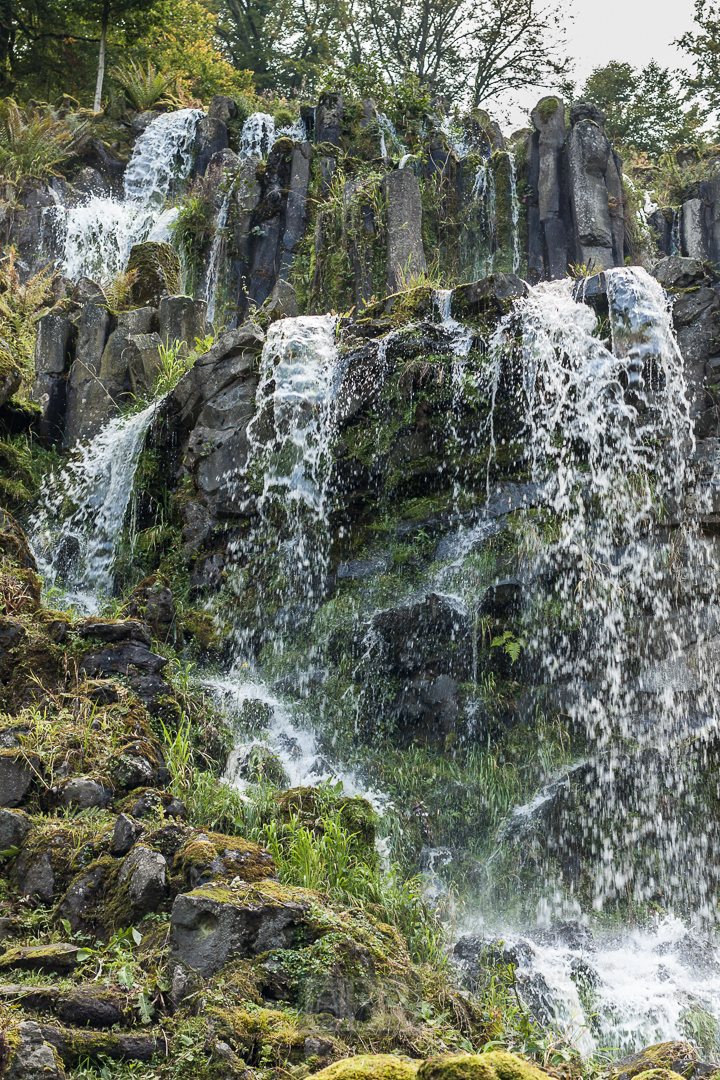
33,143
143,87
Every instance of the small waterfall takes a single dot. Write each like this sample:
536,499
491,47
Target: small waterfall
389,138
258,135
212,274
515,211
82,510
675,242
96,236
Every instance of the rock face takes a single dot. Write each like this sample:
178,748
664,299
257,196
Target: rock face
595,190
405,251
158,272
144,870
53,345
32,1058
213,925
548,224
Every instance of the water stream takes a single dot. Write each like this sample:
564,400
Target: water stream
94,237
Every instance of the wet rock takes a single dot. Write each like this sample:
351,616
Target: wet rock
141,121
145,871
125,834
83,792
359,569
283,301
152,601
14,827
316,1047
215,924
29,1056
158,269
675,272
116,631
183,319
60,958
503,598
231,359
16,777
567,935
427,629
120,660
493,293
87,401
295,216
211,136
405,251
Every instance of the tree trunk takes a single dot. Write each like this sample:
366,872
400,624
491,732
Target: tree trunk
101,57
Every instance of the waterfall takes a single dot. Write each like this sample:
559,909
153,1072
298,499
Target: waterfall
82,510
515,212
95,237
212,274
258,135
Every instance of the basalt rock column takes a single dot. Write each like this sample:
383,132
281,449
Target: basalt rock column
595,190
405,251
547,218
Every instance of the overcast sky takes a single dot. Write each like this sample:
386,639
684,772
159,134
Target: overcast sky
636,31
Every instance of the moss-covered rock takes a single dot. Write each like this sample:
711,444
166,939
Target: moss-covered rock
673,1056
157,266
13,542
207,856
496,1065
356,815
60,958
371,1067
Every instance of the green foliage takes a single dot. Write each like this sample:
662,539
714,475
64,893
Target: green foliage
175,360
510,645
22,304
34,141
144,87
644,108
703,48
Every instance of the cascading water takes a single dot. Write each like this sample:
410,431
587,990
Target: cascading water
212,273
258,135
94,238
515,214
82,510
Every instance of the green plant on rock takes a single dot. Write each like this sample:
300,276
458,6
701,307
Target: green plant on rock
144,87
22,305
175,360
34,141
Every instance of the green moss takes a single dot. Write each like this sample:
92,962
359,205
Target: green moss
371,1067
355,813
659,1056
198,858
547,108
496,1065
158,272
203,628
260,1036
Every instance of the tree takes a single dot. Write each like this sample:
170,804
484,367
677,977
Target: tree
644,108
475,47
517,45
704,48
127,20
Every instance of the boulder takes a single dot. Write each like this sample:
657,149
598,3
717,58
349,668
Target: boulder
53,346
283,301
147,801
158,268
675,272
405,251
503,598
491,294
120,660
370,1067
59,958
218,923
429,629
140,320
116,631
495,1065
38,878
14,827
83,792
29,1056
16,777
329,118
125,834
144,870
675,1056
75,1045
152,601
182,319
79,905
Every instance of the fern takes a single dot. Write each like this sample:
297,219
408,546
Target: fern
144,88
33,143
